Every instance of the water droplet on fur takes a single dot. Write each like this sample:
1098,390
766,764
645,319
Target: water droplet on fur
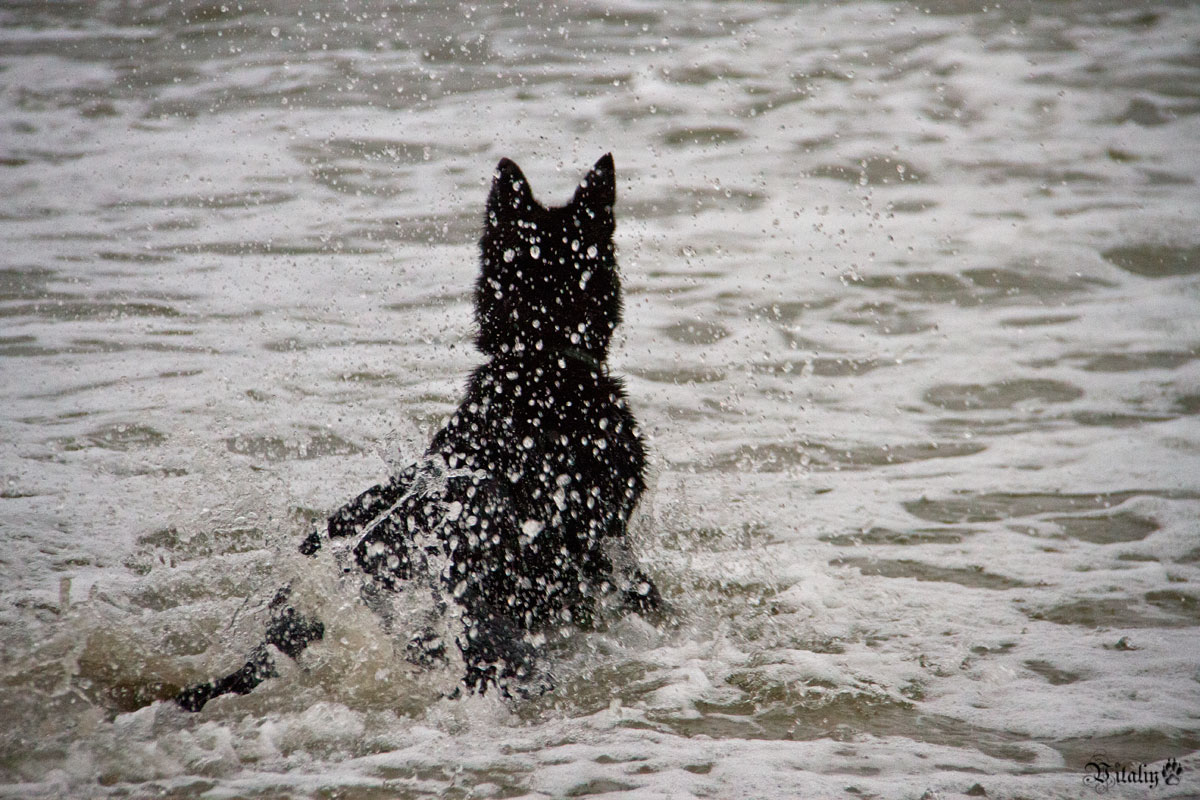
509,255
531,528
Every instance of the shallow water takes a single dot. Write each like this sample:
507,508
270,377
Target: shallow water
912,325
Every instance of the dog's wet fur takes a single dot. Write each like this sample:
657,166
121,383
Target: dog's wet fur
524,496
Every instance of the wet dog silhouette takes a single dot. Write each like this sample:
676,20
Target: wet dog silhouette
522,500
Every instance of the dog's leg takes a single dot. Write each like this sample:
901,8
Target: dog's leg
384,554
257,669
357,515
497,654
288,631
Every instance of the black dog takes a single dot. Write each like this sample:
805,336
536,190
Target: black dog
525,495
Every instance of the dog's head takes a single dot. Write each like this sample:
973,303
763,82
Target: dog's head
549,278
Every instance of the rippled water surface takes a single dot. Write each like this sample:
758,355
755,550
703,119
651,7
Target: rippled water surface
912,326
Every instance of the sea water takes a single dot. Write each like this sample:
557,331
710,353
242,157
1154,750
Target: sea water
912,318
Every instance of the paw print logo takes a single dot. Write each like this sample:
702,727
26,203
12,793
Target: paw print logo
1171,771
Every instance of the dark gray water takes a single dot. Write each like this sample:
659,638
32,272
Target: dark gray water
912,324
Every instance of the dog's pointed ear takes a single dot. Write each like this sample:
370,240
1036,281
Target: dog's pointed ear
598,191
510,194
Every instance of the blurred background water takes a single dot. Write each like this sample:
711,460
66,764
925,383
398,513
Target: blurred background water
912,325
